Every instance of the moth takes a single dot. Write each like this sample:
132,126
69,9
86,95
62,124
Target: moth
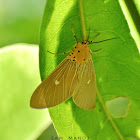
73,77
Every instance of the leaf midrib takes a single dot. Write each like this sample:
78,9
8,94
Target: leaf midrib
97,92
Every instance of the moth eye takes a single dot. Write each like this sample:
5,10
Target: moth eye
78,51
75,47
71,53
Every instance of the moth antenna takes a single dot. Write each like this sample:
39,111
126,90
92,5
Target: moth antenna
88,33
105,40
74,34
94,38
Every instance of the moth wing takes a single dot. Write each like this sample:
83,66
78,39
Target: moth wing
85,93
57,87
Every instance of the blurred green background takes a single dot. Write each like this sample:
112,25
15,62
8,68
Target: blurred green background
20,22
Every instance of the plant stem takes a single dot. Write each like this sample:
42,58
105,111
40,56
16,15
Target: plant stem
108,115
82,19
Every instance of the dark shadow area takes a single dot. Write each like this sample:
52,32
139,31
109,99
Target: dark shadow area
48,134
134,13
66,39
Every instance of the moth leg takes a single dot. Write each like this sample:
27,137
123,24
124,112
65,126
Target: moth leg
95,51
60,53
74,34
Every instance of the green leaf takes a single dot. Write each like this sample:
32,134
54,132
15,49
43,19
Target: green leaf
117,67
19,76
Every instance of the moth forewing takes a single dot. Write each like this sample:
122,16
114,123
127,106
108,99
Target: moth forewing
85,93
57,87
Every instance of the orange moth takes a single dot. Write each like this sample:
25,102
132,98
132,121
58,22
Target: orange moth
73,77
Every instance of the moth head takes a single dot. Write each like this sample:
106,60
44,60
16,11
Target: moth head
85,41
